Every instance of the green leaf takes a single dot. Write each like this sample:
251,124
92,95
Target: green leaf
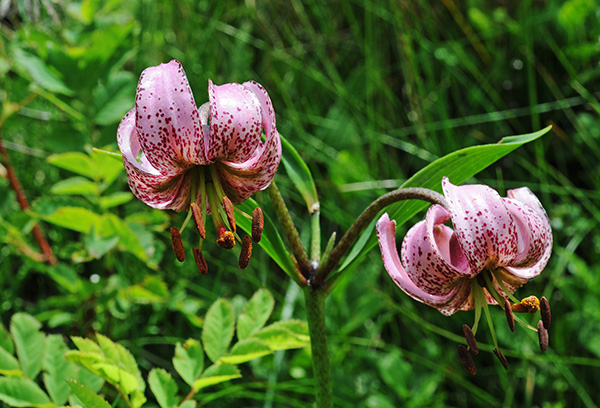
189,360
87,397
5,340
74,218
216,374
115,199
77,162
163,387
117,376
32,67
255,314
217,331
285,335
74,185
9,365
300,175
109,226
30,343
458,166
58,369
271,241
97,245
22,392
246,350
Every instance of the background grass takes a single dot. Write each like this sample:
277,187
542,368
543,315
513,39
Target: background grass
368,92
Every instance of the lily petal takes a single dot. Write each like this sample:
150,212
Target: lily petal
235,122
486,231
431,254
167,119
447,303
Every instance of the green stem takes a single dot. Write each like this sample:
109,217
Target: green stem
290,230
315,248
366,217
315,314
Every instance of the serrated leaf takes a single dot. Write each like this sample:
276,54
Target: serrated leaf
88,398
217,331
246,350
5,340
458,166
299,174
58,369
285,335
77,162
74,185
216,374
117,376
22,392
84,344
8,362
255,314
163,387
29,342
189,360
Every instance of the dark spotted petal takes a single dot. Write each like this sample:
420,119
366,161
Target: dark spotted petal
486,231
167,120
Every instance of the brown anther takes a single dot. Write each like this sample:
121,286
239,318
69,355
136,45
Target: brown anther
200,261
470,339
466,359
502,359
246,252
228,206
545,312
509,315
258,223
530,304
225,239
177,244
197,213
542,336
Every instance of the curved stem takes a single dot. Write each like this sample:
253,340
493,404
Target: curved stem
367,216
315,314
290,230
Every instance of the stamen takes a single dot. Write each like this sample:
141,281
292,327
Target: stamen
246,252
545,312
542,336
509,315
470,339
177,244
225,239
258,223
530,304
200,261
197,213
466,359
228,207
501,357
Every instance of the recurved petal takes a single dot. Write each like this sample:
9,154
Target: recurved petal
235,122
446,303
431,254
167,119
486,230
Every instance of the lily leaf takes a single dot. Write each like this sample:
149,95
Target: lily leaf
298,172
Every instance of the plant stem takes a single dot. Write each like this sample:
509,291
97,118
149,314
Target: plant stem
366,217
315,314
315,247
290,230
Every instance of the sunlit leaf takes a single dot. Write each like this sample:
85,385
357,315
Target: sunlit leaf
74,185
163,387
255,314
87,397
217,331
216,374
189,360
284,335
29,342
246,350
22,392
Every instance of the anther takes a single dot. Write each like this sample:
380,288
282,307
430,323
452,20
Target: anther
225,239
177,244
466,359
258,223
545,312
470,339
246,252
542,336
228,206
200,261
530,304
198,219
509,315
501,357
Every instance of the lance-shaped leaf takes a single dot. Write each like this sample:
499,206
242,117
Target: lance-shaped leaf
300,175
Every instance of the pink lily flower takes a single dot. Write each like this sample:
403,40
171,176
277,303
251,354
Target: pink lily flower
176,154
496,246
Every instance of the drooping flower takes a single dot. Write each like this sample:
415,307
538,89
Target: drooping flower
496,246
176,154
